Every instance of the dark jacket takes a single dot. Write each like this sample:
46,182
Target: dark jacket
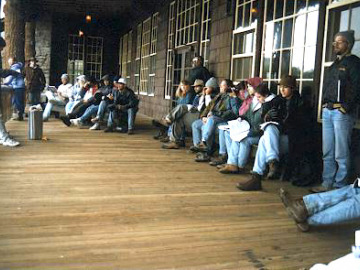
35,79
126,99
347,70
200,72
102,92
223,106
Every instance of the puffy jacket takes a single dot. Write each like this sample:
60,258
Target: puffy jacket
16,82
223,106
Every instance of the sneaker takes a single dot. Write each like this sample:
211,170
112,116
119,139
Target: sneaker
108,129
252,184
95,120
66,120
96,126
10,142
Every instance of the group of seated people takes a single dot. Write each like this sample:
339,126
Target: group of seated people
87,102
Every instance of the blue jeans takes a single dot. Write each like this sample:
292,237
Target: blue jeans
34,97
334,206
224,142
240,151
205,132
90,111
69,106
337,128
49,106
115,115
271,144
18,100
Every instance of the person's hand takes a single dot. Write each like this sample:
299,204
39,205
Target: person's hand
209,114
110,96
204,119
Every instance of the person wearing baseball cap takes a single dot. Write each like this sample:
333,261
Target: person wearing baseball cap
340,99
125,106
5,138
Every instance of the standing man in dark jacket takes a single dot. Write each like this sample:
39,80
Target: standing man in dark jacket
5,138
35,81
341,94
198,72
125,103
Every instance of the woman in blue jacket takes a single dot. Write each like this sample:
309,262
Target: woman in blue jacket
18,84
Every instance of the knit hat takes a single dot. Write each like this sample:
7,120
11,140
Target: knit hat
212,83
254,82
198,82
105,78
288,81
349,36
65,76
82,78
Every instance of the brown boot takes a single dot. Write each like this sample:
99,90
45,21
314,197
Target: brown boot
295,208
229,169
218,160
220,166
273,169
254,183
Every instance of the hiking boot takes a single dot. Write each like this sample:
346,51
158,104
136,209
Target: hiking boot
10,142
165,139
160,135
252,184
229,169
295,208
220,166
130,132
173,145
96,126
218,160
202,147
108,129
95,120
319,189
66,120
194,148
273,169
303,226
202,157
165,122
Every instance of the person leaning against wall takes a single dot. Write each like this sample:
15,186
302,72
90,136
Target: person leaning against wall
341,95
35,81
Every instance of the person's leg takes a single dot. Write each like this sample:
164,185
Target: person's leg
177,112
3,133
320,201
245,149
91,110
69,106
344,210
101,110
131,118
233,153
328,138
222,142
196,131
343,126
47,111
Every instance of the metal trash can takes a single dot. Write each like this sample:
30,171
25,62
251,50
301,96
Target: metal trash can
35,128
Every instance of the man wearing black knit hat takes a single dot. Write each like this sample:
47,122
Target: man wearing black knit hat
341,94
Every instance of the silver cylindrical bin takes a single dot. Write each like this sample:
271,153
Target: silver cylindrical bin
35,127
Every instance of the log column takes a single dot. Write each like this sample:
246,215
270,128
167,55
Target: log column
14,31
30,39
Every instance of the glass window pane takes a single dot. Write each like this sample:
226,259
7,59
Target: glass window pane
247,15
275,65
277,35
274,87
355,21
255,11
299,33
311,28
240,17
287,33
266,67
300,6
270,10
313,5
297,60
269,38
309,62
344,20
289,7
279,9
285,63
242,68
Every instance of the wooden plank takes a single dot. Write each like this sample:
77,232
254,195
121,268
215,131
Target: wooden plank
90,200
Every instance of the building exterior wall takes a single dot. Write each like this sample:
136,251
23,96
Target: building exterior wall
43,33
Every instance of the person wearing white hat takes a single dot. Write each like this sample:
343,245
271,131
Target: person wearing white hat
125,105
58,97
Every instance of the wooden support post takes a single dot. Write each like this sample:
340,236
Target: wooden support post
30,39
14,31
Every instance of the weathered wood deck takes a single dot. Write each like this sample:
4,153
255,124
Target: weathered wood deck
89,200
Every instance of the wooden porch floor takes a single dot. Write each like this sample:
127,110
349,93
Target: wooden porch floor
89,200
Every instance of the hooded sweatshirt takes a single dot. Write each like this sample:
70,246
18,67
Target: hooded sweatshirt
16,82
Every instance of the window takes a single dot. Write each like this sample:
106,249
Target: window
187,22
145,56
153,50
289,47
340,16
124,50
170,51
76,56
125,56
128,62
205,32
94,47
244,37
138,58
